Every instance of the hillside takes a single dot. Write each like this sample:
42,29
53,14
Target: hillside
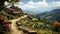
42,24
51,15
11,13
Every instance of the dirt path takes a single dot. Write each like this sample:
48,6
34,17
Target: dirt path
14,29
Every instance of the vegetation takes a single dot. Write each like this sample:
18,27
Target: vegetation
10,1
6,15
42,25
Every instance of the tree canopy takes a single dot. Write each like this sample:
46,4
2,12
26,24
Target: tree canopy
15,0
10,1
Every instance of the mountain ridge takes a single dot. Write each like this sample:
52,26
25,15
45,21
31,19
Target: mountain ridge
54,14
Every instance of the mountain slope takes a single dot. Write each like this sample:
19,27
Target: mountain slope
53,15
11,13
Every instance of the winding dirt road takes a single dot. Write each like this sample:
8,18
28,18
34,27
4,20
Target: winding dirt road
14,29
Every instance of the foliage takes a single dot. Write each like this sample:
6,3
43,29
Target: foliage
15,0
2,3
43,26
34,19
7,16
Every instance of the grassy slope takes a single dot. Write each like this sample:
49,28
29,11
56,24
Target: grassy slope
5,15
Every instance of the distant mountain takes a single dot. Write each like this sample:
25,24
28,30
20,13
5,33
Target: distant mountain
40,9
54,14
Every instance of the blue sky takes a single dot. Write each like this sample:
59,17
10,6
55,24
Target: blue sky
39,0
38,6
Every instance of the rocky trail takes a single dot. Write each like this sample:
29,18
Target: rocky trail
14,29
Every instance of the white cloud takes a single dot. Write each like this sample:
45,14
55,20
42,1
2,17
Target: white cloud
43,3
32,4
56,4
38,6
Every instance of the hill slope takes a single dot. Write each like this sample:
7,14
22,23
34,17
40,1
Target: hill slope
51,15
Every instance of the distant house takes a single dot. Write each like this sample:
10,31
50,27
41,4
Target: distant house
56,24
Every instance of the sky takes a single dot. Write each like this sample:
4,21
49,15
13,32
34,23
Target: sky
38,6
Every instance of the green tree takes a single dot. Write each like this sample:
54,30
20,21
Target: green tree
3,1
14,1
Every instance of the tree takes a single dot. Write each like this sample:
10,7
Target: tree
3,1
14,1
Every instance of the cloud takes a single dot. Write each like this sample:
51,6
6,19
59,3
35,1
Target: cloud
32,4
56,4
38,6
